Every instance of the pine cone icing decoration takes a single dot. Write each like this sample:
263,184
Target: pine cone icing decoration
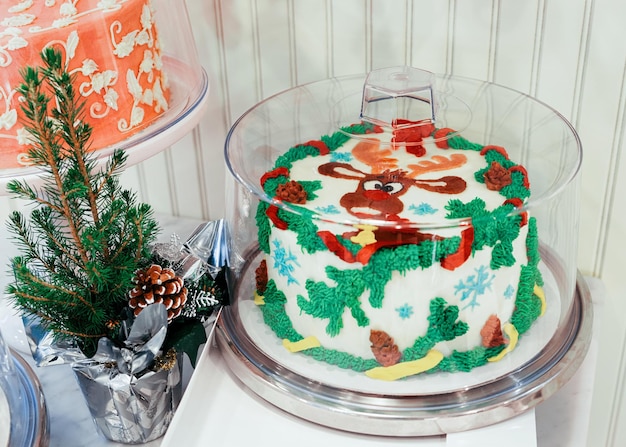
158,285
497,177
291,192
384,349
260,275
491,333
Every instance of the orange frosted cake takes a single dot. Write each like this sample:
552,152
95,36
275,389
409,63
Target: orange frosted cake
110,46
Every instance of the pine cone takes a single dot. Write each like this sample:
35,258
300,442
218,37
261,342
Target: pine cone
384,349
291,192
260,275
497,177
158,285
491,333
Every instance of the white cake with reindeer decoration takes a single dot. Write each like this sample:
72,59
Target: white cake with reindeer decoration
397,251
110,46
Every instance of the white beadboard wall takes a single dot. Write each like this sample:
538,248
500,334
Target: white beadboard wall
571,54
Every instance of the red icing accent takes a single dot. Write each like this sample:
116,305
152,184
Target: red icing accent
393,238
441,137
272,213
274,173
517,203
524,220
422,129
375,129
457,259
319,145
364,254
499,149
330,240
376,194
390,238
412,135
522,169
418,151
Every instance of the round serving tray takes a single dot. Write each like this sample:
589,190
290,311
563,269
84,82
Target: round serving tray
386,414
190,92
27,407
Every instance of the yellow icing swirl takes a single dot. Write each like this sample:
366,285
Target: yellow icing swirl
538,291
513,335
405,369
305,343
259,300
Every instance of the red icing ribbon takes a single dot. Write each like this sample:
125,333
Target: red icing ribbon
333,244
272,213
319,145
498,149
274,173
375,129
521,169
364,254
412,135
441,137
464,251
517,203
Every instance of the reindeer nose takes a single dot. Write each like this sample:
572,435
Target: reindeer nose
377,194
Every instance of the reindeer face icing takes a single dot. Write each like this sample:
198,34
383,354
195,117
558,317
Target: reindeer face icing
377,194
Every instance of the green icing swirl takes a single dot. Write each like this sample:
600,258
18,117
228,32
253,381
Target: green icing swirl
495,228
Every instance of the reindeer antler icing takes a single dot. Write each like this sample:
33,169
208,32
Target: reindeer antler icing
437,163
370,153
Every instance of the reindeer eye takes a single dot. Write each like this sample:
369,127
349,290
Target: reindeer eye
371,185
393,187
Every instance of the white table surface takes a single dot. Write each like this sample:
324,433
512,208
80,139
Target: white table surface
219,411
224,411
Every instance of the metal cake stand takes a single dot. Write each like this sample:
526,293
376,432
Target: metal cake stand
403,415
27,406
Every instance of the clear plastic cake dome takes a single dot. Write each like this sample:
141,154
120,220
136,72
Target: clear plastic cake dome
135,65
379,114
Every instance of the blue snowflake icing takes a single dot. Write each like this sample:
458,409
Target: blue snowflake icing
341,157
284,263
330,209
405,311
474,286
509,292
422,209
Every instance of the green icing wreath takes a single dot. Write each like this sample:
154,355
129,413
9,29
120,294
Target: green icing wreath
497,229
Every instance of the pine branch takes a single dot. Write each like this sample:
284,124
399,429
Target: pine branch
68,114
47,150
27,276
87,235
29,297
113,167
69,333
56,240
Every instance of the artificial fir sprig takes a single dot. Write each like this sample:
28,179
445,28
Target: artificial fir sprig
86,236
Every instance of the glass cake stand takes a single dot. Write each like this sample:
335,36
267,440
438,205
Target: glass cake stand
547,355
190,93
29,425
453,404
